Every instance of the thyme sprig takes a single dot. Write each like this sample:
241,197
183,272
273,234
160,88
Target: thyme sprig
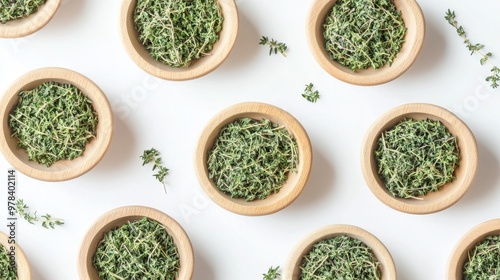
364,33
274,46
176,32
483,260
16,9
494,77
310,94
251,159
340,257
53,122
153,155
416,157
272,273
48,221
7,271
140,249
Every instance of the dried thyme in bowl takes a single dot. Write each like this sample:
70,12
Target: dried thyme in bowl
483,260
16,9
53,122
7,270
175,32
416,157
251,159
360,34
340,257
141,249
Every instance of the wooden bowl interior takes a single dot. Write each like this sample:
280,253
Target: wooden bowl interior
387,266
197,68
121,216
449,193
63,169
414,21
296,180
32,23
23,266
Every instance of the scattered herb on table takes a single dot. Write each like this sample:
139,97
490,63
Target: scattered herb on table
483,260
7,270
272,273
152,155
53,122
48,221
251,159
16,9
340,257
175,32
140,249
274,46
364,33
310,94
416,157
494,78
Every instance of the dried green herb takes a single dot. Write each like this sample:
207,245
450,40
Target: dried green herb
272,273
340,257
140,249
175,32
7,271
16,9
310,94
416,157
251,159
274,46
483,260
152,155
48,221
364,33
53,122
494,77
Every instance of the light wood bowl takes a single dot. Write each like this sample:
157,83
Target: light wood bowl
448,194
63,169
32,23
295,182
292,266
460,253
414,38
122,215
23,266
197,68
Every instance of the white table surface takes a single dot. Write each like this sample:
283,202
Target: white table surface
149,112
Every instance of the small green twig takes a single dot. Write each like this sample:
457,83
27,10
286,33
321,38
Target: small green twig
274,46
309,94
48,220
272,273
51,222
152,155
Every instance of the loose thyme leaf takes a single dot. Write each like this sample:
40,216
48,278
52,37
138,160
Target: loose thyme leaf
15,9
51,222
152,155
272,273
309,94
274,46
23,211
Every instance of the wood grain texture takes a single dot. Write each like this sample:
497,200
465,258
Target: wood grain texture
448,194
414,21
32,23
295,182
63,169
197,68
122,215
23,266
460,253
292,265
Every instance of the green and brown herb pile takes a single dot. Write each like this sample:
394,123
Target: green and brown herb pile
483,260
16,9
7,272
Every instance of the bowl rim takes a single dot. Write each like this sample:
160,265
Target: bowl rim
381,252
274,202
220,52
23,265
434,201
468,242
368,77
118,216
104,127
28,25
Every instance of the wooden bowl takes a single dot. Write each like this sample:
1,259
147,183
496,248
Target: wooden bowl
292,266
414,38
122,215
32,23
23,266
448,194
460,253
296,181
63,169
197,68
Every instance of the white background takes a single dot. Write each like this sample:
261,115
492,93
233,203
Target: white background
84,36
